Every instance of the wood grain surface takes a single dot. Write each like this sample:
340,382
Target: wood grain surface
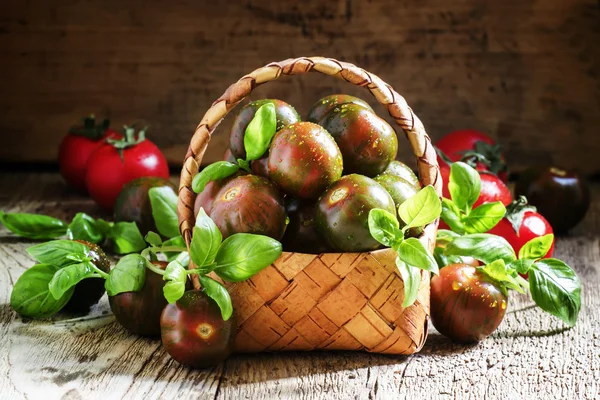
531,356
527,72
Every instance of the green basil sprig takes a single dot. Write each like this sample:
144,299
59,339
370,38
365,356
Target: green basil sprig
464,187
164,210
554,286
33,226
418,210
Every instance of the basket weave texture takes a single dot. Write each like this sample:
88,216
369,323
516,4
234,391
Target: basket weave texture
331,301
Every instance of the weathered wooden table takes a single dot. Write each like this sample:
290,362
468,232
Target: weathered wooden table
531,355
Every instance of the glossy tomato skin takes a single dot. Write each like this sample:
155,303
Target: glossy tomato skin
533,225
133,202
454,143
249,204
301,235
74,154
260,167
492,188
139,312
562,196
367,142
285,113
89,291
194,333
328,103
304,159
401,170
107,173
206,198
466,305
343,212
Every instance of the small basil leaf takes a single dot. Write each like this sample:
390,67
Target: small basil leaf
127,238
452,216
384,227
206,240
69,276
413,253
498,272
484,247
33,226
444,260
164,210
260,132
183,258
31,296
219,294
522,265
55,252
484,217
445,236
464,185
129,275
556,289
153,238
537,247
420,209
176,277
242,255
213,172
411,278
84,227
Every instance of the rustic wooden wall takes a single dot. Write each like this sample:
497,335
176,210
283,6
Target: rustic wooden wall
527,72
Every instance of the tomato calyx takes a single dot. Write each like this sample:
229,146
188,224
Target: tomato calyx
488,154
90,129
130,139
515,212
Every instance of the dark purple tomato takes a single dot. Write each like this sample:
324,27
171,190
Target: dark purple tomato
326,104
139,312
304,160
285,113
205,198
89,291
403,171
260,167
228,156
249,204
343,212
194,333
466,304
367,142
301,235
561,196
133,202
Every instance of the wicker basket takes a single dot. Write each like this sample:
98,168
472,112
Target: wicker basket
331,301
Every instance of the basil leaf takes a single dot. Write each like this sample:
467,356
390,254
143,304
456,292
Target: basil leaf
444,260
69,276
31,296
153,238
183,258
420,209
411,278
176,241
498,272
245,165
219,294
537,247
384,227
242,255
129,275
413,253
33,226
260,132
206,240
522,266
84,227
445,236
127,238
484,217
55,252
464,185
164,210
556,289
452,216
484,247
213,172
175,276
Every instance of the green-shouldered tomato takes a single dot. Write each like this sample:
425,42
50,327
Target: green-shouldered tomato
326,104
403,171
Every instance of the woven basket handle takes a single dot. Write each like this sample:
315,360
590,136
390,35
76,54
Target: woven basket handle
427,165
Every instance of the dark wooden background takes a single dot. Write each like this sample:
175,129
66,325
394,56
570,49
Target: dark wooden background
527,72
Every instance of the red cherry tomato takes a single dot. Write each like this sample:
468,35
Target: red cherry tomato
532,226
466,305
107,172
77,147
